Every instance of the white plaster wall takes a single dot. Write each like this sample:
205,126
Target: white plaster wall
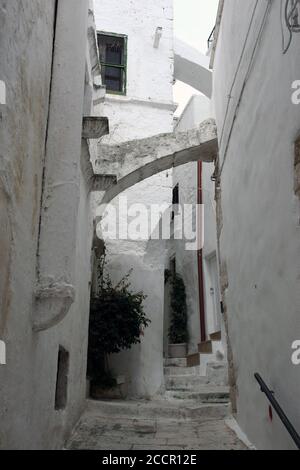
149,74
192,67
197,110
27,381
142,365
146,110
260,238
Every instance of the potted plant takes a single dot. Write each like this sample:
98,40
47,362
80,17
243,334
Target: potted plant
178,334
117,319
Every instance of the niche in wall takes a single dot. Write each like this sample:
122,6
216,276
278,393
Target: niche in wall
61,392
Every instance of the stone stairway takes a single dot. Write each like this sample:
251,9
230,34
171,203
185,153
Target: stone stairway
191,415
184,382
206,382
162,424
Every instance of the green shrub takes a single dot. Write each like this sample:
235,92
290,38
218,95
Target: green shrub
117,318
178,329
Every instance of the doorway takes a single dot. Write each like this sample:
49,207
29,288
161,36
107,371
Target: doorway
214,291
169,274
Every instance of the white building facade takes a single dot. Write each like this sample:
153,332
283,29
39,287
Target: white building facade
199,269
49,64
258,210
139,105
142,106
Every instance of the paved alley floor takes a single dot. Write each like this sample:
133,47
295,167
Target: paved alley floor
161,425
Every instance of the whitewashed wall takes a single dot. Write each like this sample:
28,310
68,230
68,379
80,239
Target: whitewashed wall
260,238
146,110
27,381
197,110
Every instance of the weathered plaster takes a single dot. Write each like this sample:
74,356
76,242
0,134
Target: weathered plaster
259,240
198,109
61,177
27,381
137,160
94,127
146,110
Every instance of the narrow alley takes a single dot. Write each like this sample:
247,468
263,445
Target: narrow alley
157,425
194,414
149,225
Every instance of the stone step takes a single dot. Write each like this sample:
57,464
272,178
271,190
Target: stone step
206,359
192,381
204,394
173,362
216,336
168,408
185,382
205,347
217,372
193,360
211,368
170,370
218,349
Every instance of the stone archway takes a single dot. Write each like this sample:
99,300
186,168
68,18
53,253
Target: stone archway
192,67
137,160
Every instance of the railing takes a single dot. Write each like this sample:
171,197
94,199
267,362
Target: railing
270,396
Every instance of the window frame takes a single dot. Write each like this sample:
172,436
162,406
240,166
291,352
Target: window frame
122,67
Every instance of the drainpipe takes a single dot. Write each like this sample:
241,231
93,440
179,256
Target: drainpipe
200,263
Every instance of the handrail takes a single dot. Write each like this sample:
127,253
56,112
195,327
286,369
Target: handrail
270,396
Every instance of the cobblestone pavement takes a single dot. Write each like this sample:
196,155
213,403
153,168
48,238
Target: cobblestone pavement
153,426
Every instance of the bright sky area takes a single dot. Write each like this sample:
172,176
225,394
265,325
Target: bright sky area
193,23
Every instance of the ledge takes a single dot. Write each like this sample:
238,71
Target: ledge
95,181
103,182
53,301
100,91
94,127
170,105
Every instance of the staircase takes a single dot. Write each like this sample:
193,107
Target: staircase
191,415
153,425
202,376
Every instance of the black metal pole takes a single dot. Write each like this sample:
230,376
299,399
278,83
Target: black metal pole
270,395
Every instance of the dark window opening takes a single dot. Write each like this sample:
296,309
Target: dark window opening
173,267
175,200
112,50
61,392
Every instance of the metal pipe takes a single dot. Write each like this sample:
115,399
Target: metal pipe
200,265
284,419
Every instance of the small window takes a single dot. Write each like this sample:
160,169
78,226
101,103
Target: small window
175,201
61,392
175,198
112,50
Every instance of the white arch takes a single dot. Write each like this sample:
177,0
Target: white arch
138,160
192,67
